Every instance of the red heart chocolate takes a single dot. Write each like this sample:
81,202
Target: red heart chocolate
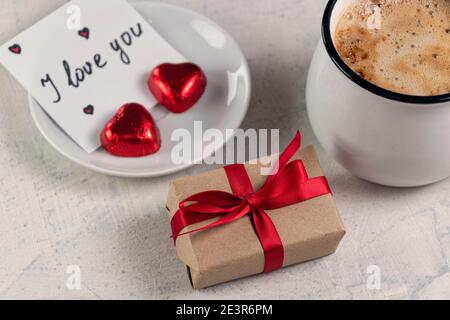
132,132
178,87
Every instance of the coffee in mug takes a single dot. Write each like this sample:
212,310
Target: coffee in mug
400,45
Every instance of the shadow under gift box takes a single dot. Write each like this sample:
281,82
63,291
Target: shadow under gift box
308,230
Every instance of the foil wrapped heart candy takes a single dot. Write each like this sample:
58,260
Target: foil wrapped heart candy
132,132
177,87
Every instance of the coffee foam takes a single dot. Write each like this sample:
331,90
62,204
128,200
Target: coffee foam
410,54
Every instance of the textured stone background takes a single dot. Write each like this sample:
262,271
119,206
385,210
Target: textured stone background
54,213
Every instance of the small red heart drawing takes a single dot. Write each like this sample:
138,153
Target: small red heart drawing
178,87
15,49
89,110
132,132
84,33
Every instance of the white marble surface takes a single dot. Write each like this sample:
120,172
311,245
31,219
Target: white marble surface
54,214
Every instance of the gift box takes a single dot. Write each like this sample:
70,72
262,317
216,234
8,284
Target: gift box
224,237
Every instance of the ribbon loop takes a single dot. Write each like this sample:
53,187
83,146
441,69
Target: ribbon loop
288,185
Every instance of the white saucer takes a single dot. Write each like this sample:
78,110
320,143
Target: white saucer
223,106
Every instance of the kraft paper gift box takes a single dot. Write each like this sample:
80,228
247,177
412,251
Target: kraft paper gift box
308,230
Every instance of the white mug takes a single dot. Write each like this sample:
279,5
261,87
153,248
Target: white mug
378,135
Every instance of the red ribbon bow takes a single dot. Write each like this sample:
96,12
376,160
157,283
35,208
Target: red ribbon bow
289,185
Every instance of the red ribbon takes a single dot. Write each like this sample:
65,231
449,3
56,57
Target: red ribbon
287,186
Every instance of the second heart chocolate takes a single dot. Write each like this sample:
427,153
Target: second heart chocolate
132,132
178,87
